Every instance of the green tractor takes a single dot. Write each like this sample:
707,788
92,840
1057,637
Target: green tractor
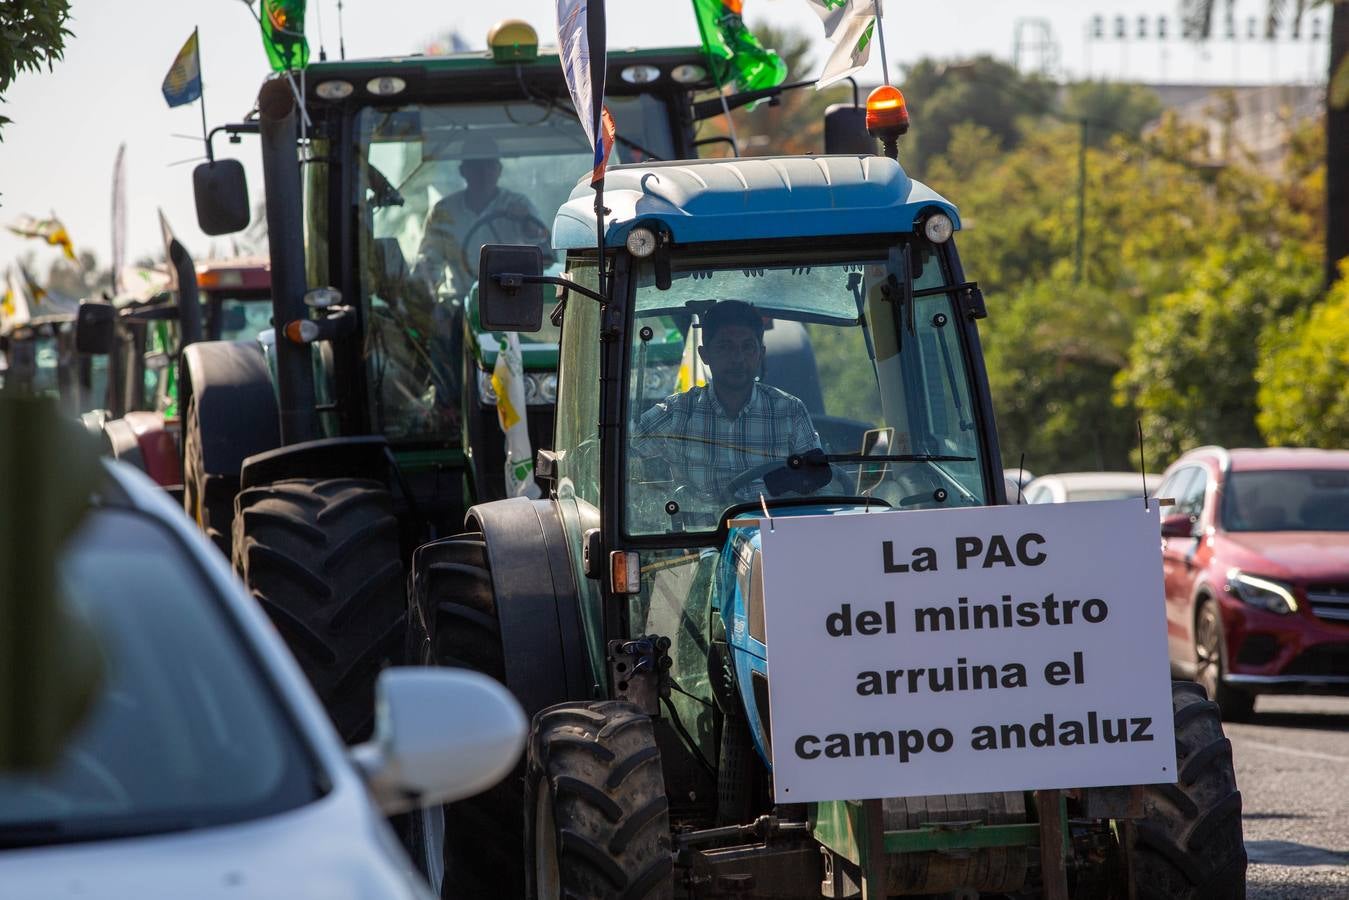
368,422
626,610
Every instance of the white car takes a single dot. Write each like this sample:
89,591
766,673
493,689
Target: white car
1070,486
207,767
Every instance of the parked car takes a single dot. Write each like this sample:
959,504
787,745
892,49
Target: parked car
1072,486
1255,556
207,767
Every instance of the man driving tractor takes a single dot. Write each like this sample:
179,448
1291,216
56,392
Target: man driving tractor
711,433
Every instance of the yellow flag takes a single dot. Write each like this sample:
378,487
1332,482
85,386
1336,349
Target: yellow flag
50,230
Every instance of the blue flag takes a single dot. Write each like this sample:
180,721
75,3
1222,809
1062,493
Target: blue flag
183,83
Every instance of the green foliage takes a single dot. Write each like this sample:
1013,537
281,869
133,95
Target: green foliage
1192,365
1304,374
32,34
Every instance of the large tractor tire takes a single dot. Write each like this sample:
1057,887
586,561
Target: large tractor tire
209,502
322,557
473,848
597,821
1188,843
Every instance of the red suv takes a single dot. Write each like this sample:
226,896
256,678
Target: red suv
1256,560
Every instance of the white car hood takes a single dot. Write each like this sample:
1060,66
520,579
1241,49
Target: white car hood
335,848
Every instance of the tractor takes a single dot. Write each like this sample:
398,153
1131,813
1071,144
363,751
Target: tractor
366,423
626,611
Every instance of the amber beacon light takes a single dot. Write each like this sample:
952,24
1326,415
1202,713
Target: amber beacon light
887,117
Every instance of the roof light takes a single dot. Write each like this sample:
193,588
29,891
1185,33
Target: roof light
386,85
641,242
639,74
513,40
334,90
887,116
688,73
938,227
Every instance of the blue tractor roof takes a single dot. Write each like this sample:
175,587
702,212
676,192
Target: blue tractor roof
750,198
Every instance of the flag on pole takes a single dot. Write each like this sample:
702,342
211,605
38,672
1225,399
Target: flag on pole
691,370
14,310
733,50
508,380
33,292
118,219
283,37
849,25
50,230
582,52
183,83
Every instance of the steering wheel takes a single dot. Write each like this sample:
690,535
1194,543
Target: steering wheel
522,219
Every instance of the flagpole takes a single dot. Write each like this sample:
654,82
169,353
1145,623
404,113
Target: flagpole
201,100
880,38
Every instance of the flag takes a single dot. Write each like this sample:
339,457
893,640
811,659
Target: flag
582,52
34,292
508,380
118,219
50,230
849,25
13,306
733,51
183,83
691,370
283,37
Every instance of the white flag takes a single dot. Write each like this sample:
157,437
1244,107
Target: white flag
119,220
14,311
508,380
849,26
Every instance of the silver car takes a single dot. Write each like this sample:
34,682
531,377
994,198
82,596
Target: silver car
207,767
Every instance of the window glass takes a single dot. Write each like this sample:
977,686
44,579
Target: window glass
184,731
1191,501
840,370
1287,500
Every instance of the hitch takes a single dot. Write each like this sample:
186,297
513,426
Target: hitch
639,669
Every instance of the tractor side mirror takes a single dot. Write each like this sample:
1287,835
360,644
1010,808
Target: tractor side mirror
221,191
507,301
875,442
1179,525
94,327
845,131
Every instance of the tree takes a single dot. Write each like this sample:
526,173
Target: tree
1303,375
1201,14
32,34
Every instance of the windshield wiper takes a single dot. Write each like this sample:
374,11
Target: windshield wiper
820,458
41,832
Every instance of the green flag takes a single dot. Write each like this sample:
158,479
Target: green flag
283,34
733,51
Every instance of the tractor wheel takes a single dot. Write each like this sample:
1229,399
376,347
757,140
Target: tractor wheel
322,558
482,836
213,514
1188,843
1210,649
597,822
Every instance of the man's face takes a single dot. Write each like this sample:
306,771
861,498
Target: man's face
734,355
480,173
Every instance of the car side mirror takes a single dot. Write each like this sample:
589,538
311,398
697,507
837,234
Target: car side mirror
1179,525
94,327
440,735
845,131
221,192
506,299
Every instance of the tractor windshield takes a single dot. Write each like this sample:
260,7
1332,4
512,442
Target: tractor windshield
820,378
435,183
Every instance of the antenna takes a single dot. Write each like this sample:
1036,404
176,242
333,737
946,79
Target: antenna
318,11
1142,463
1020,476
341,35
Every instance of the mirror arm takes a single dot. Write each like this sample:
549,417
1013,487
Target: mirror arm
514,280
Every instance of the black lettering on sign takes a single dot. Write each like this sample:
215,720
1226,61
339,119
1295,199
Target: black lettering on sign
923,559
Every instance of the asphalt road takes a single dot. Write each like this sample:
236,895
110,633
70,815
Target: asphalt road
1292,762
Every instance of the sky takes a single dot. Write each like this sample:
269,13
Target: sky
57,155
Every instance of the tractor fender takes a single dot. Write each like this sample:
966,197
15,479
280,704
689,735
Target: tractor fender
364,456
538,608
235,404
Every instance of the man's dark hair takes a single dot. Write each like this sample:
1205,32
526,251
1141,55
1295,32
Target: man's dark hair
731,312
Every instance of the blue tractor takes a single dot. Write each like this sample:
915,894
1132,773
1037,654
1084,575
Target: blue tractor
626,610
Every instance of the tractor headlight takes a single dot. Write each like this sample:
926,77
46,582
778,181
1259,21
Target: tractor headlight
547,387
1262,593
486,393
938,228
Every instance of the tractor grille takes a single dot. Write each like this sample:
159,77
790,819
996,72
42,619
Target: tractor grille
1329,601
1327,659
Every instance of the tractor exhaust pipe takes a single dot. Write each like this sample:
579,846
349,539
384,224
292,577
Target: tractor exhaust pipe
189,300
285,239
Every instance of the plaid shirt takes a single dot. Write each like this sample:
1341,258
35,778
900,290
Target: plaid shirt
694,434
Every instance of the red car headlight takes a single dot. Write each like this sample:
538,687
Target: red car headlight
1262,593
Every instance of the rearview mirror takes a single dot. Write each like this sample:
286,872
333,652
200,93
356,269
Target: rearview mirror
1179,525
94,325
875,442
505,301
845,131
440,735
221,191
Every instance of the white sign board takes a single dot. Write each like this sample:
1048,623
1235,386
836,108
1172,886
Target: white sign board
964,650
